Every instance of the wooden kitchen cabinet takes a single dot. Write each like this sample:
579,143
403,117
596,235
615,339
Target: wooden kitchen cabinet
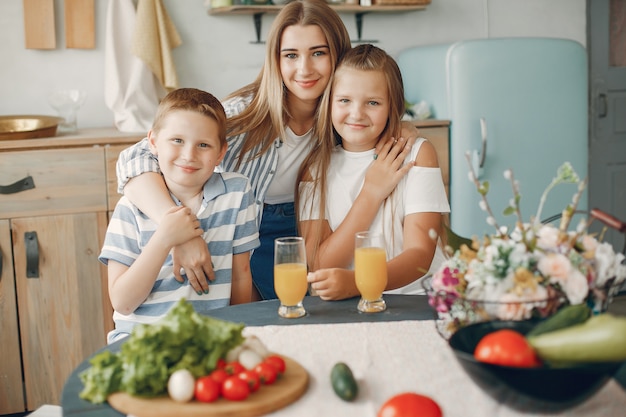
53,290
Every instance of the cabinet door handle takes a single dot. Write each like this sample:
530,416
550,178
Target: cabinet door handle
32,254
0,263
24,184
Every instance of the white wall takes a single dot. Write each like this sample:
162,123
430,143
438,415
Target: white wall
217,54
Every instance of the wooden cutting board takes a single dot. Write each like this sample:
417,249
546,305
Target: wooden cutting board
80,24
287,389
39,28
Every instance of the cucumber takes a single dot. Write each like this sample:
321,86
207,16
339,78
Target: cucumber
602,338
343,382
565,317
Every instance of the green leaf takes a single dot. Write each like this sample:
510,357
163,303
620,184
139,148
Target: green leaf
508,211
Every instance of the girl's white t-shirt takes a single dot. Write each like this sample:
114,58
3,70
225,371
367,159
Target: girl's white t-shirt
421,190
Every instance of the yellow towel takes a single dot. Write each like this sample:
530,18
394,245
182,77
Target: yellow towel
153,40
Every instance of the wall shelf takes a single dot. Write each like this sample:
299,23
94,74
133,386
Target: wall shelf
359,11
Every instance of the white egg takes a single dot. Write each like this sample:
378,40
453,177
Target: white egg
181,386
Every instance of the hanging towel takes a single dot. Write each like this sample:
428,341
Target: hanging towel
130,90
154,38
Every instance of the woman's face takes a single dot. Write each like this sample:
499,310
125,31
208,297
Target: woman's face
305,62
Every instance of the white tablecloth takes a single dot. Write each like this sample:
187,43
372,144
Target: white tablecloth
392,357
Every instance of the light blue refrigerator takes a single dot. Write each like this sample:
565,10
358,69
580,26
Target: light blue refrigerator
514,103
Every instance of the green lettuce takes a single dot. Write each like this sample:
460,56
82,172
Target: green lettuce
183,339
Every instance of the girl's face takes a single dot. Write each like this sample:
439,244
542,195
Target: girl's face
359,107
305,64
188,147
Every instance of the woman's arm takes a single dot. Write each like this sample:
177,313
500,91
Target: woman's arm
140,179
241,287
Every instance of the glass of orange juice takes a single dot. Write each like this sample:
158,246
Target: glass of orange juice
370,270
290,275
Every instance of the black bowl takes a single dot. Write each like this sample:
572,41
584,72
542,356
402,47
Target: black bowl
545,388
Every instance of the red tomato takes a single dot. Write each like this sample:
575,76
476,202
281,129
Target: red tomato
252,378
410,404
233,368
207,389
278,363
508,348
267,372
219,375
220,364
235,389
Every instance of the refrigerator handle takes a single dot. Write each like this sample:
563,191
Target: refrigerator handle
483,134
478,157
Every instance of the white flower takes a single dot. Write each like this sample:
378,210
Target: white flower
606,263
547,237
576,287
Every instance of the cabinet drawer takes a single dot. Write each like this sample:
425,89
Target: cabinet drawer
65,181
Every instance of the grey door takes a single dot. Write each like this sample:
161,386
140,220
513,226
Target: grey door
607,136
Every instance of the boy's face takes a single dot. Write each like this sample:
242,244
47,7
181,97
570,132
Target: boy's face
188,148
359,107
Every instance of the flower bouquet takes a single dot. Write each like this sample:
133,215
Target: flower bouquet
527,272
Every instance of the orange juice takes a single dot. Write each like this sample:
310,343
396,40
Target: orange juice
370,267
290,283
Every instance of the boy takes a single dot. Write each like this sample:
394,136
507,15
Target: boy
189,138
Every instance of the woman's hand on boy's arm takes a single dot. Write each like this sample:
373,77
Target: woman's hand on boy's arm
194,258
333,283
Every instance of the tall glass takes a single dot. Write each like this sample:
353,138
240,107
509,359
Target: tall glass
370,269
290,275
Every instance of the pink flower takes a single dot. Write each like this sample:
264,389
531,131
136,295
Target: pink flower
556,267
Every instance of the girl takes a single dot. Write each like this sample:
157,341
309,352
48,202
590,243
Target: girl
366,103
270,130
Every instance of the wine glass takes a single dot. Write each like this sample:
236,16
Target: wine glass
370,270
290,275
67,103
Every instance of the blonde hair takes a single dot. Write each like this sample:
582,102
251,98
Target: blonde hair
266,117
364,57
194,100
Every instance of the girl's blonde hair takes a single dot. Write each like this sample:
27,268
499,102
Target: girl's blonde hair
266,117
194,100
364,57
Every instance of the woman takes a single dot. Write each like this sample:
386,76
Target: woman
270,128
